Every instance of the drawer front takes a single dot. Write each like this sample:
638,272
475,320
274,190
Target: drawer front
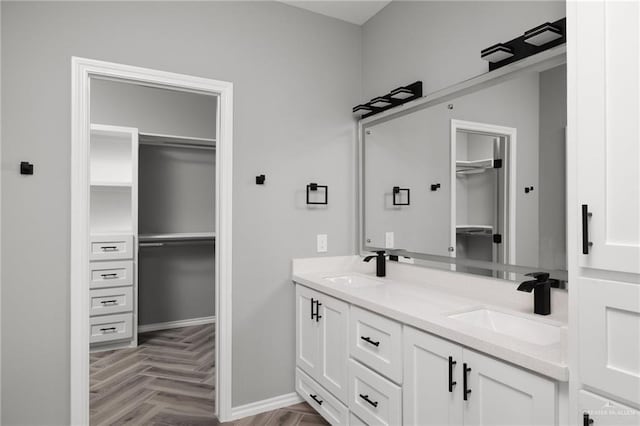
373,398
604,411
107,247
376,341
110,300
111,327
321,400
111,274
355,420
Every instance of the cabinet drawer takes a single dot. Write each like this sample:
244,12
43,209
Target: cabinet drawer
111,274
110,300
377,342
355,420
373,398
321,400
107,247
111,327
604,411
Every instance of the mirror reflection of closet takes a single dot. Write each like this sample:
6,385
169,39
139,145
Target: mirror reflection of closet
175,240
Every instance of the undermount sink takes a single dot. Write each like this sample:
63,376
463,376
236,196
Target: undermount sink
531,331
354,281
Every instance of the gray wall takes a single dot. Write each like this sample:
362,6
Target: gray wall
153,110
552,183
296,76
439,42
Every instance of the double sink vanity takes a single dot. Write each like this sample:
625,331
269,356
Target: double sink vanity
425,346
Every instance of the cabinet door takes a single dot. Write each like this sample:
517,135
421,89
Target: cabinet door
334,353
606,108
609,330
604,411
427,397
502,394
307,331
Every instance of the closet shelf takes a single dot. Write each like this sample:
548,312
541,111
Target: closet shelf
179,236
157,139
107,184
473,166
475,230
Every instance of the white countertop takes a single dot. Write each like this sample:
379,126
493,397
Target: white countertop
424,298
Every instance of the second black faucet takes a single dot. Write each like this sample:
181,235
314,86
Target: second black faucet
381,265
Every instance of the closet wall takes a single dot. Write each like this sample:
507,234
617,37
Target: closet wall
176,194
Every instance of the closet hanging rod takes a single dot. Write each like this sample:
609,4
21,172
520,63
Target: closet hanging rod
158,139
179,236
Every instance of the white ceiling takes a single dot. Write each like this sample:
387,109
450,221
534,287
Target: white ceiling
354,11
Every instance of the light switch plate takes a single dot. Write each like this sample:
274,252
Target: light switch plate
388,240
322,243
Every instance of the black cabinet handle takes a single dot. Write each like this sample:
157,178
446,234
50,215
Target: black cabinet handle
586,421
451,382
368,340
316,399
109,276
585,229
109,329
312,302
464,381
366,398
109,302
318,316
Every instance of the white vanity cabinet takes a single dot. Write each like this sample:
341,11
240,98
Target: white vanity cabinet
321,340
438,391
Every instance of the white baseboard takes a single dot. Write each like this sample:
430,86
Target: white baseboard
265,405
175,324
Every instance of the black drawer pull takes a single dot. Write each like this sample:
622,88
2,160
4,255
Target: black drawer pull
586,421
366,398
451,382
586,244
465,391
108,329
368,340
109,276
316,399
109,302
318,316
109,248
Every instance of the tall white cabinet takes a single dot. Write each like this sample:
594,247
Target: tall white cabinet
113,200
604,273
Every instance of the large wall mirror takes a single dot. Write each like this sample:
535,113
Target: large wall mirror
473,181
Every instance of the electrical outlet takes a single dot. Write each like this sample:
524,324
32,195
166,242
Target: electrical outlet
322,243
403,259
388,240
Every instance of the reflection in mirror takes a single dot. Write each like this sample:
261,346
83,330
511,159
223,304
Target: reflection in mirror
478,179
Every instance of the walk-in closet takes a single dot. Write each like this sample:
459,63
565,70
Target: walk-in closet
152,256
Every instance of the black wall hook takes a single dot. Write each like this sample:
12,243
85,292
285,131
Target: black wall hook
26,168
314,187
260,179
435,186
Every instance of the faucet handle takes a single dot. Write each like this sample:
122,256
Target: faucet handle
539,276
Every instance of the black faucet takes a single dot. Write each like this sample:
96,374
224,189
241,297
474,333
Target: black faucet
381,266
541,287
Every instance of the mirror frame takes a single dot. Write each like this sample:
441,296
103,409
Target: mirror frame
537,63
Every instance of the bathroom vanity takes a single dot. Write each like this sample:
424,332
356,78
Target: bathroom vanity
428,347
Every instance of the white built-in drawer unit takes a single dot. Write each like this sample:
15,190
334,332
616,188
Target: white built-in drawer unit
322,401
110,300
111,327
377,342
111,274
111,247
374,399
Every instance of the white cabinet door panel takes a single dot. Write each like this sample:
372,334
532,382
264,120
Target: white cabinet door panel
609,328
502,394
427,398
307,332
334,334
607,131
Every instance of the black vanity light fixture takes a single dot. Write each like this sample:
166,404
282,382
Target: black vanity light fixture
542,34
394,98
396,196
535,40
314,187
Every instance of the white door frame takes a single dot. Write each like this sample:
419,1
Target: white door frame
82,70
510,133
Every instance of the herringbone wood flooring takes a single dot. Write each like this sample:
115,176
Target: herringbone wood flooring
169,379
